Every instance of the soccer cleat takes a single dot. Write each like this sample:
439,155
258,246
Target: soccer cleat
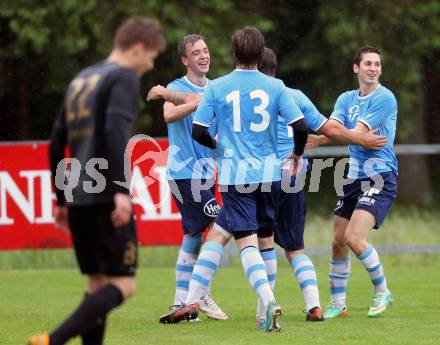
180,313
40,339
273,312
172,308
333,312
379,303
260,323
314,314
208,306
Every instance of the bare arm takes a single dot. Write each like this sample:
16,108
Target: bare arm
177,104
172,113
172,96
360,135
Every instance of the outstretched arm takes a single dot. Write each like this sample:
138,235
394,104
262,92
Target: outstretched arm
176,97
334,132
177,104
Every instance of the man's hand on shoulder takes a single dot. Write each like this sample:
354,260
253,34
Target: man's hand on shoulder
372,141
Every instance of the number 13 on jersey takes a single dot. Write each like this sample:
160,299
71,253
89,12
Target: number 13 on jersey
260,110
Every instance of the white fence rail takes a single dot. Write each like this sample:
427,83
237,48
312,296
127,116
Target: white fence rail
402,149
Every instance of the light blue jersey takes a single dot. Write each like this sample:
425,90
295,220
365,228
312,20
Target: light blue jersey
187,159
377,110
245,105
313,118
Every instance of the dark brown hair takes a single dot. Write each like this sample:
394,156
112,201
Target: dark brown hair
139,30
357,58
248,46
268,63
187,41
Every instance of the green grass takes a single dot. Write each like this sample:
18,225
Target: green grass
404,226
36,300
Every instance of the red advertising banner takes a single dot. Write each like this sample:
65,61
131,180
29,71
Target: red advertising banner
27,198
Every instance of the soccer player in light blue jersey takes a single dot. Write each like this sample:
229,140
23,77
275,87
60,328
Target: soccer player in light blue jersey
372,189
245,105
189,165
289,232
291,217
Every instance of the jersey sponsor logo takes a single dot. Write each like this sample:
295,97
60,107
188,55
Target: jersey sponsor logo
367,200
339,204
211,208
353,112
371,192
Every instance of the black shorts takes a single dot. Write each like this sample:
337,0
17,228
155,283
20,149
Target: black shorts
99,246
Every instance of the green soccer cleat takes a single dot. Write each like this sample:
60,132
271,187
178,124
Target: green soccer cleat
273,313
333,312
379,303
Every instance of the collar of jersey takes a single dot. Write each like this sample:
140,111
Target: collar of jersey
245,70
195,85
363,97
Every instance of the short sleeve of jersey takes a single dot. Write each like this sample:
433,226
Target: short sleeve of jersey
205,114
379,110
173,86
339,112
288,109
314,119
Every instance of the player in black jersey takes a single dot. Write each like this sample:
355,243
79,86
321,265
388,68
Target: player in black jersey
95,121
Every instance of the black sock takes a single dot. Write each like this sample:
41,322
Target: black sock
88,315
94,336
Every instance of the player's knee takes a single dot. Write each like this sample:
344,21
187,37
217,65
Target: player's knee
127,286
351,239
130,290
338,245
291,254
219,235
95,282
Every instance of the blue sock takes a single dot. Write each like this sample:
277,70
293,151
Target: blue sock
255,269
371,262
338,277
270,261
305,274
185,264
204,271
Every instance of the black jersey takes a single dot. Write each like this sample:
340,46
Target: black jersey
96,120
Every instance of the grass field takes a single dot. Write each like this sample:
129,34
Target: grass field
36,300
404,226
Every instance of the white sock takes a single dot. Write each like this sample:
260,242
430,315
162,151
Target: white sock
255,269
204,271
270,260
184,267
338,277
306,276
371,262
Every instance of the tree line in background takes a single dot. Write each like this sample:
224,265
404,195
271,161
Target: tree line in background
45,43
